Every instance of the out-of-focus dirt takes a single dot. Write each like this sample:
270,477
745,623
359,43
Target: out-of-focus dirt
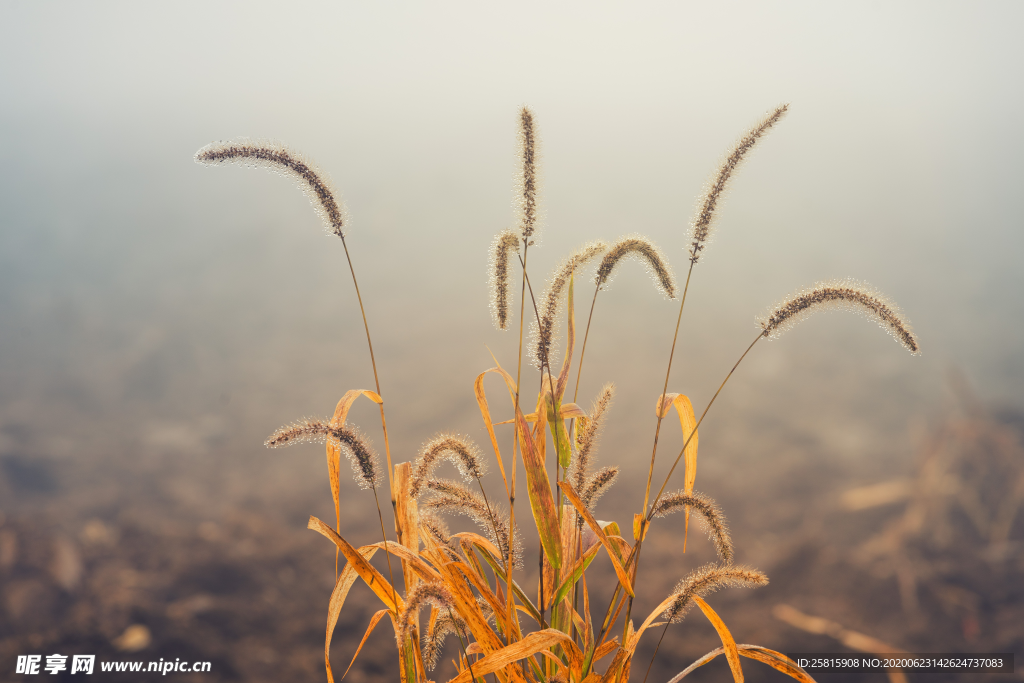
926,563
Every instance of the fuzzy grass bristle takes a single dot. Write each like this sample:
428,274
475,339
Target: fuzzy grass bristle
458,449
544,332
700,230
351,441
360,455
587,438
706,580
433,593
314,182
452,497
432,644
308,430
708,512
527,181
505,243
598,485
840,294
642,249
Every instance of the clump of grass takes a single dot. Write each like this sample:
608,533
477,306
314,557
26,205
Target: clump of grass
467,579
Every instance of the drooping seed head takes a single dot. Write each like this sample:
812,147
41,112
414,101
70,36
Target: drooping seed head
362,458
706,580
456,448
544,334
505,243
447,623
453,497
840,294
709,513
642,249
432,593
434,526
307,430
527,181
700,230
314,182
349,440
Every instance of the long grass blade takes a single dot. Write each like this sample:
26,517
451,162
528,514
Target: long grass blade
774,659
688,425
728,642
581,508
529,645
342,587
373,578
369,629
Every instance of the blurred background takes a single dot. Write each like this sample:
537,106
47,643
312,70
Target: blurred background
160,319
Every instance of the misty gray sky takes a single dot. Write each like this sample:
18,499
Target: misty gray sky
133,281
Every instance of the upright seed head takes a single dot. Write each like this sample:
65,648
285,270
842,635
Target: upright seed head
526,179
706,580
544,334
641,248
700,231
710,515
456,448
587,437
840,294
314,183
433,593
505,243
597,485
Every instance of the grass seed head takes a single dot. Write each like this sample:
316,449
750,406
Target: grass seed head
453,497
447,623
544,334
307,430
505,243
700,230
433,593
597,485
706,580
840,294
709,513
360,455
314,182
641,248
462,452
527,179
587,438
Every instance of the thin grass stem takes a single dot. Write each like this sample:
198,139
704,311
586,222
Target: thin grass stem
583,351
663,632
383,424
687,443
668,373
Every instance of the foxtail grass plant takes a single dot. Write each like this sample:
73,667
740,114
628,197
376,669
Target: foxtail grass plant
465,584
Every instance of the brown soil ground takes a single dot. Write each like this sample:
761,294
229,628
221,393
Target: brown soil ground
930,563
